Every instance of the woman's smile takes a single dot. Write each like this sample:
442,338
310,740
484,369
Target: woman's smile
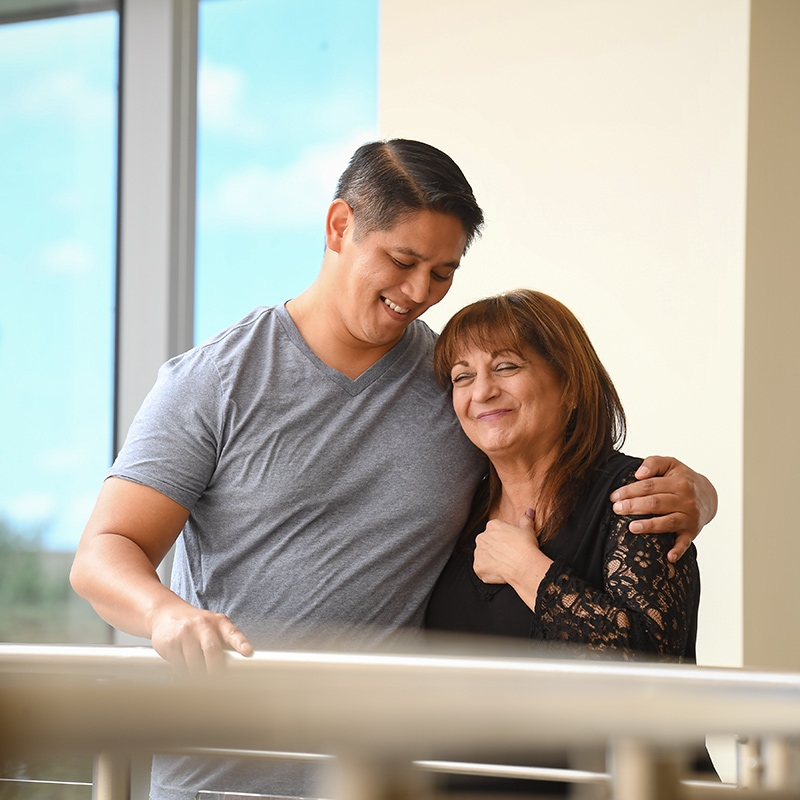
490,416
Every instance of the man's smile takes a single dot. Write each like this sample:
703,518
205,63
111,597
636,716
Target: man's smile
397,309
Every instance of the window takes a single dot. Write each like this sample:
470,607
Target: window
58,96
286,91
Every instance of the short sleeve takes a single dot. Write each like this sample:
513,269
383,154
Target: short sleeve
174,441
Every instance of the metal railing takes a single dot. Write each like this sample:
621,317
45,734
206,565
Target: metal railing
383,716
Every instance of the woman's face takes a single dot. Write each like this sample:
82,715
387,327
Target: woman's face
510,404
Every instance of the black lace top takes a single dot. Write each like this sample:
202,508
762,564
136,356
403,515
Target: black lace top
607,588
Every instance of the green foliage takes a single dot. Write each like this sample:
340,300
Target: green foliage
70,771
22,578
37,603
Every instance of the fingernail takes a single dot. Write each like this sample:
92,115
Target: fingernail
614,496
636,527
642,472
617,508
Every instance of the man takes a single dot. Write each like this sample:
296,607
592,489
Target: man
315,468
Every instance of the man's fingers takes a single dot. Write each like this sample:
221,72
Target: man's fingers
655,465
644,504
666,524
640,488
173,653
676,488
196,646
213,657
236,640
194,660
682,542
216,639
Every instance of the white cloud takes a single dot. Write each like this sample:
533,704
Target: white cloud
65,459
292,196
67,95
31,509
67,257
220,110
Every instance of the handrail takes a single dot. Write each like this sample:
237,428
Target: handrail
420,705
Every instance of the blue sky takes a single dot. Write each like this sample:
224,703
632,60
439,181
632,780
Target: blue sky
57,213
286,92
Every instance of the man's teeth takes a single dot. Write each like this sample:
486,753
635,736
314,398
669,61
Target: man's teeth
394,307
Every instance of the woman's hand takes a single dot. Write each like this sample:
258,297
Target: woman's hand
510,554
680,500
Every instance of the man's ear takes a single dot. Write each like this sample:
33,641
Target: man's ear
337,223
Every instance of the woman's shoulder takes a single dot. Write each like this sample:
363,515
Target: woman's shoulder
619,468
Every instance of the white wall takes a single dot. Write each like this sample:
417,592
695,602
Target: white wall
607,144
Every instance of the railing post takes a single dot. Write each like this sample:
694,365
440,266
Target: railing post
749,765
640,772
781,757
355,777
112,776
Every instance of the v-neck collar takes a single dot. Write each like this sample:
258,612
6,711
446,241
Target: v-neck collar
351,386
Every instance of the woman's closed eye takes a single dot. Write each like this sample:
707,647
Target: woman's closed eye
507,366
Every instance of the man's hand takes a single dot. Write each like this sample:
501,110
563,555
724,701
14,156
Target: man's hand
130,531
681,501
193,640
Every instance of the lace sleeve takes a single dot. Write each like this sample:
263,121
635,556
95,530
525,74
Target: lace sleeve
645,604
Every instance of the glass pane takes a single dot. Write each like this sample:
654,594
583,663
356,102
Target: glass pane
286,91
43,779
58,129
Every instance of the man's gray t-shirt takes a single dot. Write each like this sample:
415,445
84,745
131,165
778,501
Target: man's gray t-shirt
318,504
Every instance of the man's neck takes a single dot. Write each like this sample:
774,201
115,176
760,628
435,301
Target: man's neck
352,359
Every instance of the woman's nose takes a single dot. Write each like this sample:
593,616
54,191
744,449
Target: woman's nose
484,387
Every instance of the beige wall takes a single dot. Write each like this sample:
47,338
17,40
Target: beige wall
772,345
608,144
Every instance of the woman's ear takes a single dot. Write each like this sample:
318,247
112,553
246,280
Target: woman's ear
337,223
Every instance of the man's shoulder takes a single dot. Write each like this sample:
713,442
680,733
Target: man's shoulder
422,338
253,324
225,353
251,336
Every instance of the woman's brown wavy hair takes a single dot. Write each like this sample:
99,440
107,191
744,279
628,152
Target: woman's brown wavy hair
596,424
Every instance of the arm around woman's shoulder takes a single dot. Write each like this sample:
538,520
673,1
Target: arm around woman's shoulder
648,604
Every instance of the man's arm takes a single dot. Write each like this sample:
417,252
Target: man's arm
129,532
679,499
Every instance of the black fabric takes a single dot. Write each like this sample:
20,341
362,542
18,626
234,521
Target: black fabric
608,588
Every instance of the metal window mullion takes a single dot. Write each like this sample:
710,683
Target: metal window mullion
157,186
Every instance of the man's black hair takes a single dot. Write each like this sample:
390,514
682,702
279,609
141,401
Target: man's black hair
386,181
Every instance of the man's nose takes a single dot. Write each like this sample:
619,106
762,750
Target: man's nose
417,286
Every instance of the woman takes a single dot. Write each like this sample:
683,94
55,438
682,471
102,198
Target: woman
543,555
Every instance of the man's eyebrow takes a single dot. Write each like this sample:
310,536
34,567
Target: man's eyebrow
409,251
